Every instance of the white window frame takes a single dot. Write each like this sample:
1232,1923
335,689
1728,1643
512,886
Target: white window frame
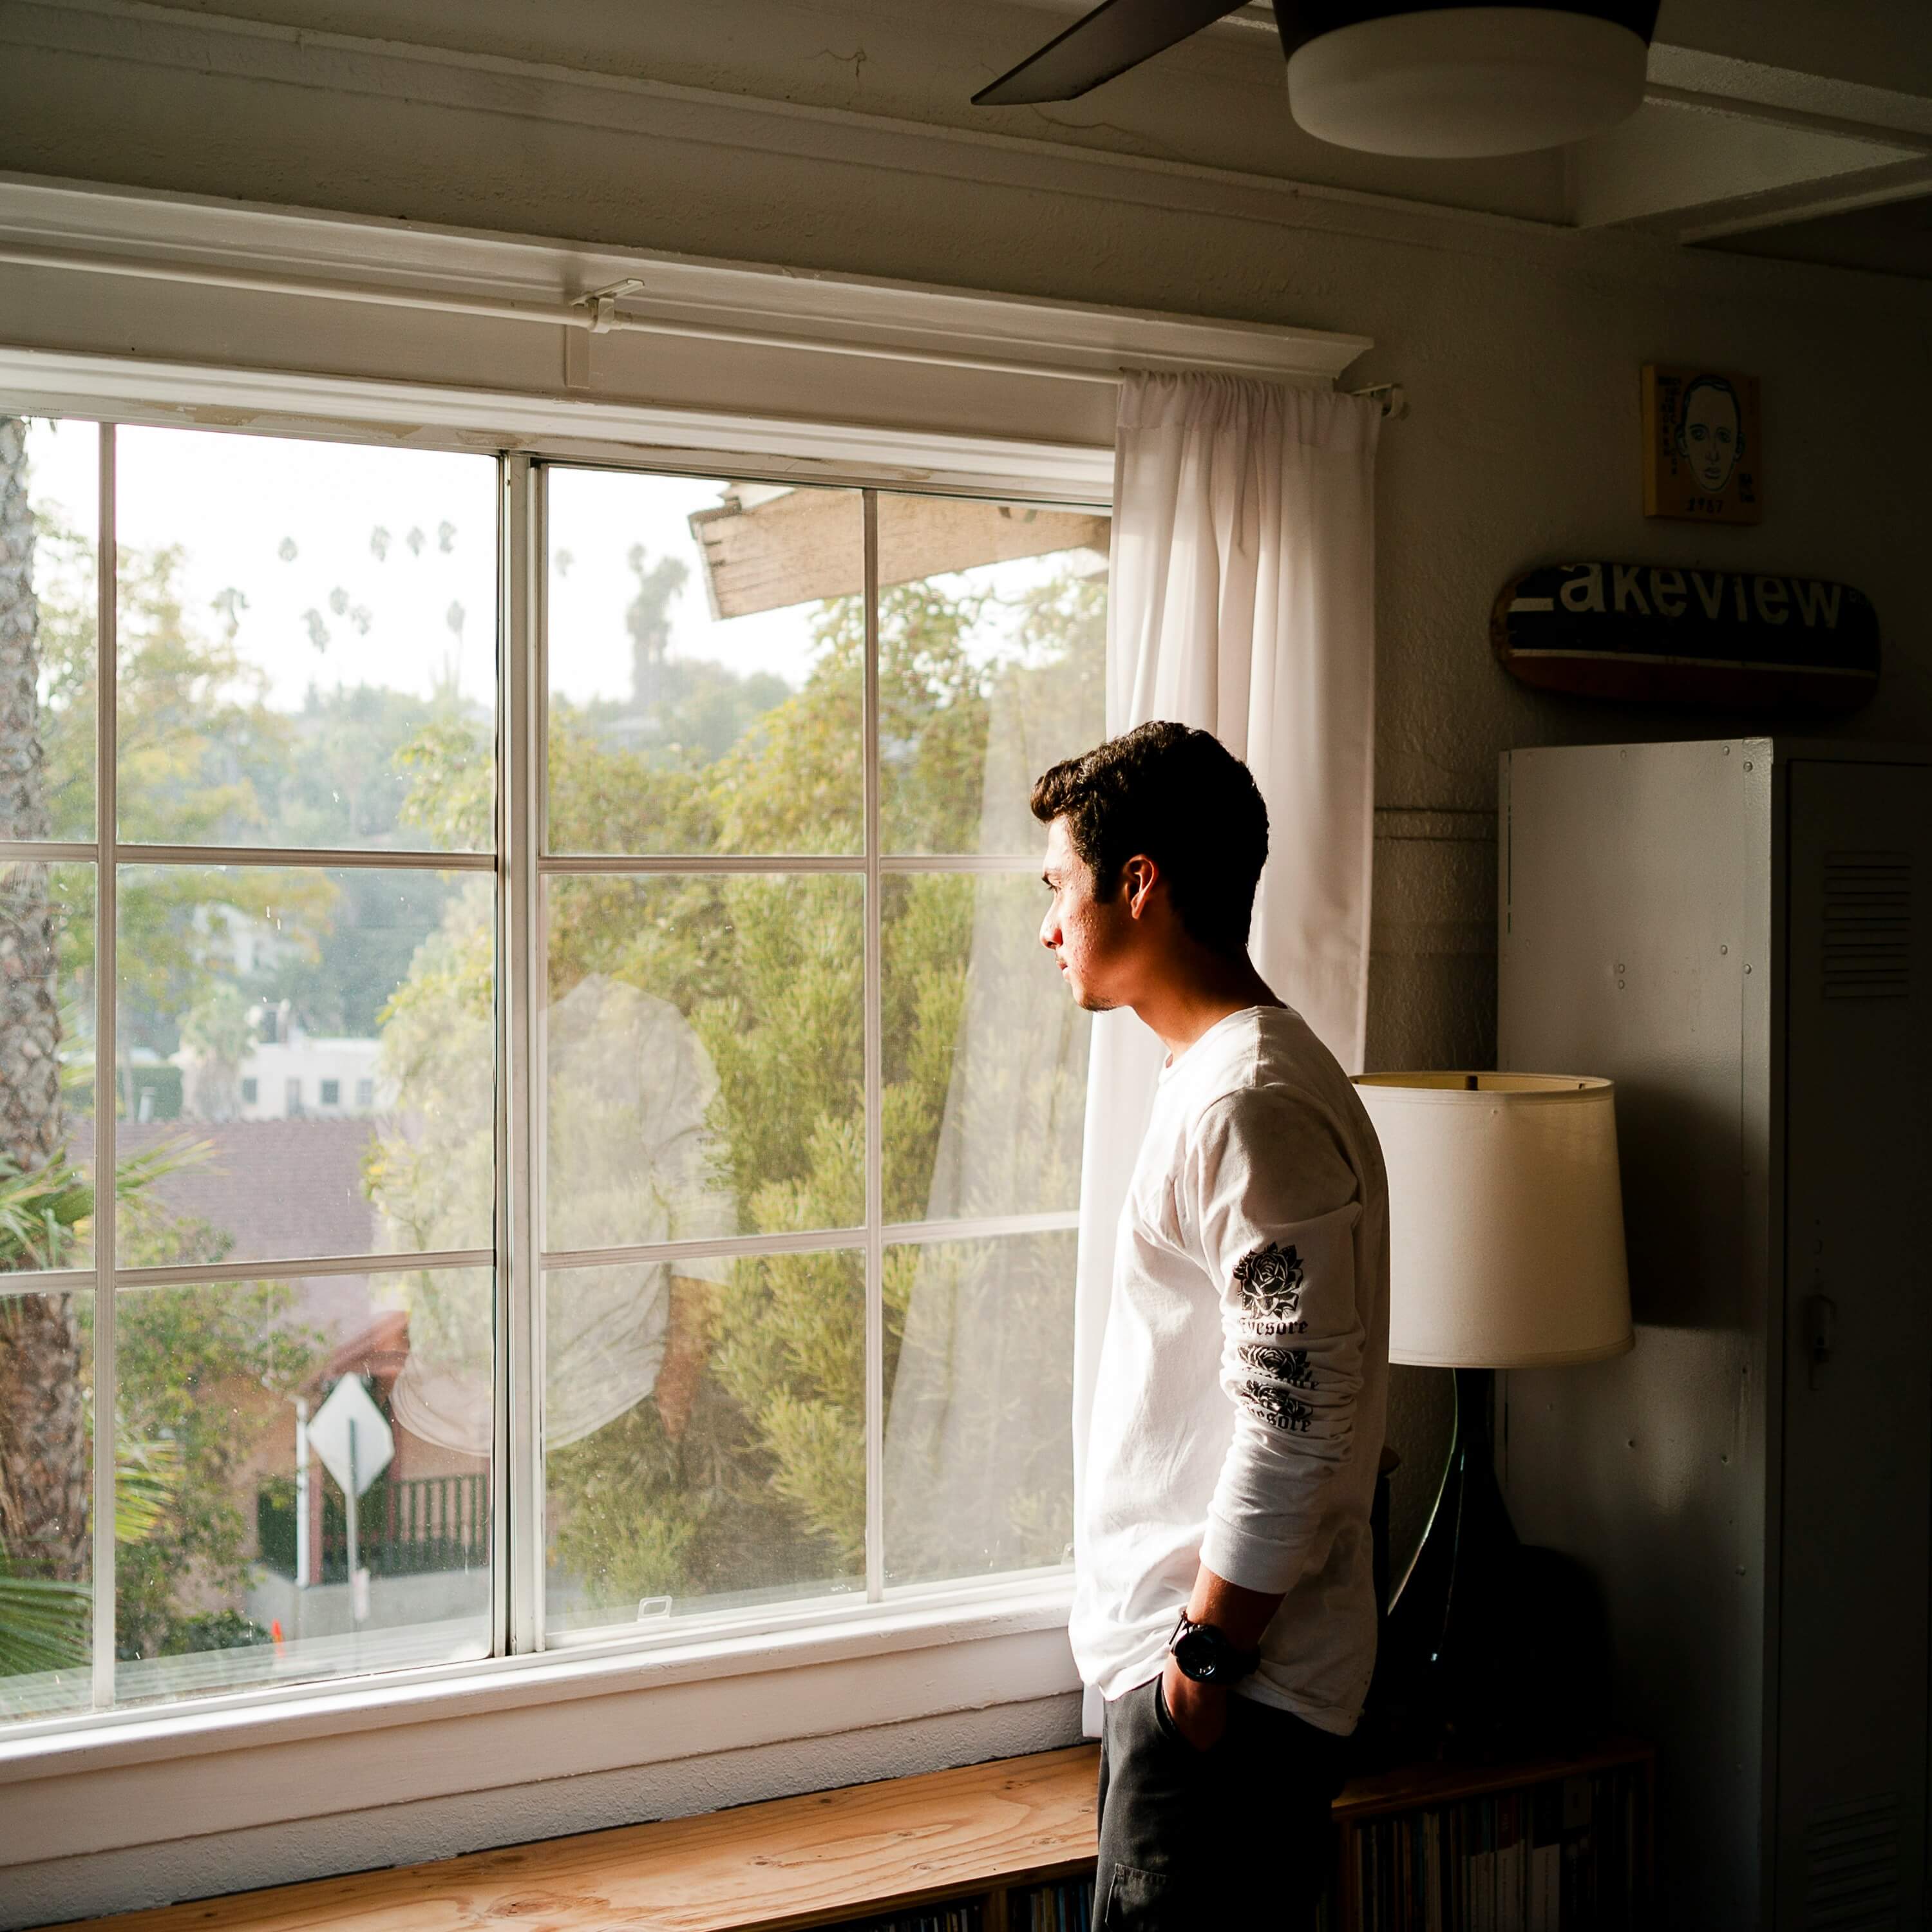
973,1668
521,865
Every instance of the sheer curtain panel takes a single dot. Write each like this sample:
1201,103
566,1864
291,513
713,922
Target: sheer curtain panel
1242,601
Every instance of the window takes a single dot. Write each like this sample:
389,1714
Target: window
802,1120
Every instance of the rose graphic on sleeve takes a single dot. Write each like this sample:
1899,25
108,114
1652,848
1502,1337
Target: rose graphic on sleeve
1270,1280
1279,1365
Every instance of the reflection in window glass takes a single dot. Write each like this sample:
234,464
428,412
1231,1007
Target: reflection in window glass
706,646
978,1469
985,1057
243,991
47,1067
46,1377
708,1453
706,1057
308,643
233,1560
50,521
992,664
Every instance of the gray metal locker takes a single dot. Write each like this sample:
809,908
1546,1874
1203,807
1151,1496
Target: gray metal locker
1739,933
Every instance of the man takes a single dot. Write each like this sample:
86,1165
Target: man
1224,1603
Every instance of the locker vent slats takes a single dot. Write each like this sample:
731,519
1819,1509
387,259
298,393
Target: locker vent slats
1851,1866
1867,925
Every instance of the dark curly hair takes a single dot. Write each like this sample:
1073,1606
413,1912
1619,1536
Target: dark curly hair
1183,799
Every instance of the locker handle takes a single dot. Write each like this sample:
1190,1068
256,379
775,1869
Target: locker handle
1821,1332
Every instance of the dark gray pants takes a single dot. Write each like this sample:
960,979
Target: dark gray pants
1239,1835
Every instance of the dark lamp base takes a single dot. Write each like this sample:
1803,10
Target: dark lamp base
1444,1662
1491,1646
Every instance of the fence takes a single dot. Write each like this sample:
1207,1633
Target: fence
407,1528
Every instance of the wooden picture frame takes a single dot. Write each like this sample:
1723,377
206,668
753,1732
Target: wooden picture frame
1703,445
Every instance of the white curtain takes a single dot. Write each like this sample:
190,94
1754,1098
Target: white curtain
1242,601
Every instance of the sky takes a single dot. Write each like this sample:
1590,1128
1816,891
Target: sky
294,527
355,562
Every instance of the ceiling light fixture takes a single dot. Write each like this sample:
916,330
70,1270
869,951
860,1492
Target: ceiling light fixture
1445,83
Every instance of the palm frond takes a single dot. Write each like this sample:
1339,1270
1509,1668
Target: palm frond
42,1208
148,1475
43,1625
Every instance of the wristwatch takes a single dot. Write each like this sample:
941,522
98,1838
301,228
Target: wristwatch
1206,1654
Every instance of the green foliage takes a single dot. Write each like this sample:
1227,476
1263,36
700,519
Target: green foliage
44,1623
197,1366
766,1485
40,1209
44,1212
760,1484
204,759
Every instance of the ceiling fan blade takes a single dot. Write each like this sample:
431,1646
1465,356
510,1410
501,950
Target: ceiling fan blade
1117,35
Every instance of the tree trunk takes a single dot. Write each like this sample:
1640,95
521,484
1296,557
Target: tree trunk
44,1459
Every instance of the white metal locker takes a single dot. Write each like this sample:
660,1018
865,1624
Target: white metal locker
1727,929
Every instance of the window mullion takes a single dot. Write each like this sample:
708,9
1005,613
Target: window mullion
106,656
875,1206
517,1520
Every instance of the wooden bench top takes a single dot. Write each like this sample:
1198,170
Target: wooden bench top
787,1863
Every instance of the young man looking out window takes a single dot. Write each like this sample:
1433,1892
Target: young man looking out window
1224,1601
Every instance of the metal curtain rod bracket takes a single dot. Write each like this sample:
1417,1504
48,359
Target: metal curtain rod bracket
600,305
1394,398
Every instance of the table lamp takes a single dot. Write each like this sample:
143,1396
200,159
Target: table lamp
1506,1240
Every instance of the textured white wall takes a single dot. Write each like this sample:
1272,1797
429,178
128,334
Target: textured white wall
1518,344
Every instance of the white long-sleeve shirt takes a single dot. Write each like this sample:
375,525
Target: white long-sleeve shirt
1243,1373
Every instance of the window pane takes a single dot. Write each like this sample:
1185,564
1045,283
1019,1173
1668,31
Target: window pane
986,1055
706,645
705,1048
979,1468
308,643
46,1377
47,1066
243,991
992,664
50,521
228,1573
704,1436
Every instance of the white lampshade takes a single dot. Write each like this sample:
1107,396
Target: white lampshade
1456,83
1506,1229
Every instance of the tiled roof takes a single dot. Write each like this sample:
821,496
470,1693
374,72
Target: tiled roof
278,1187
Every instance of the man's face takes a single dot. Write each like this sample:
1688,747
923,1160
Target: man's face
1090,938
1709,437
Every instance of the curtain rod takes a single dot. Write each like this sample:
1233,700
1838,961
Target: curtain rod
596,312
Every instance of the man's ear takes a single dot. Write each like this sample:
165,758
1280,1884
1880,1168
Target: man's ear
1139,875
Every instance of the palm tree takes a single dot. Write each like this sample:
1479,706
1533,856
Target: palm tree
43,1462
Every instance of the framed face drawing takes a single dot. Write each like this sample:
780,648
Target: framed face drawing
1703,449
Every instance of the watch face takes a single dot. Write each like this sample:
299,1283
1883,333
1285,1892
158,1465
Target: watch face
1199,1656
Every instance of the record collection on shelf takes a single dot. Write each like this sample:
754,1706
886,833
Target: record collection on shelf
1566,1854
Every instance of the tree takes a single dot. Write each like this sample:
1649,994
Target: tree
43,1459
193,730
648,620
766,1485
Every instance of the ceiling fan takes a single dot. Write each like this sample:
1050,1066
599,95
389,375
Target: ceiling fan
1421,78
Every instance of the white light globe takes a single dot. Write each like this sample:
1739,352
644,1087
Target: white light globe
1456,83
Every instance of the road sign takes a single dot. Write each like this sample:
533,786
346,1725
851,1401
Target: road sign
349,1434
